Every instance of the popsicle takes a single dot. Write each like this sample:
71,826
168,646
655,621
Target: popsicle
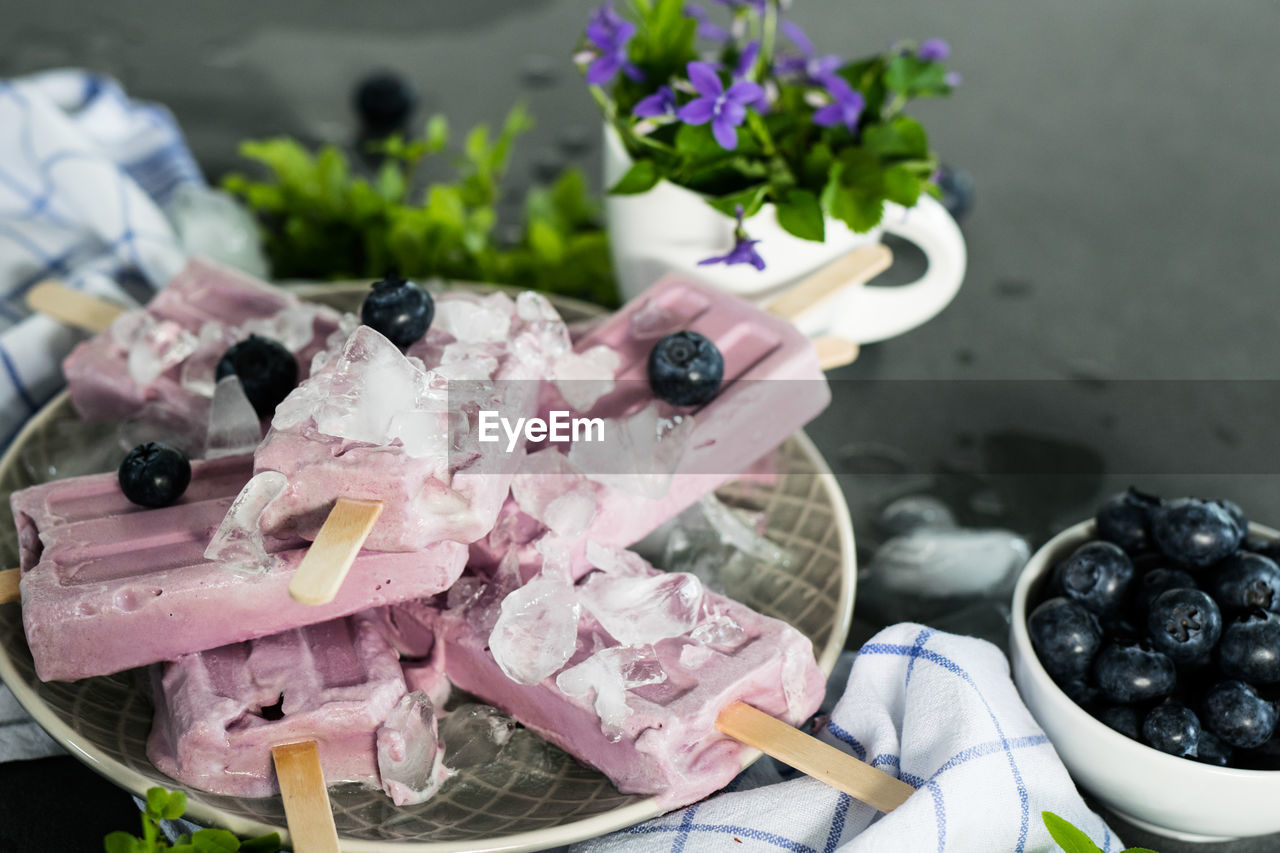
773,385
339,684
108,585
159,362
632,668
374,424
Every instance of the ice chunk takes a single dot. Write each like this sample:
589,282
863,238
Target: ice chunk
651,321
233,424
641,610
467,362
939,563
485,320
583,378
153,345
719,631
795,670
410,755
198,374
238,544
914,511
736,533
548,488
556,554
639,453
616,561
474,735
609,674
537,630
293,327
694,655
213,224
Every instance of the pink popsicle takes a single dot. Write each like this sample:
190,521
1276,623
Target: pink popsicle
108,585
655,660
182,333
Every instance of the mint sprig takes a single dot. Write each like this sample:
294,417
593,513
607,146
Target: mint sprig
321,218
1073,840
171,805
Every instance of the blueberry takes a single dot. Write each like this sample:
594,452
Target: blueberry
1125,719
1195,533
1246,580
1081,692
384,101
154,474
685,369
1185,624
1096,575
1125,520
1236,512
1157,581
1250,648
1133,672
399,310
1238,715
1213,750
266,369
1066,638
1172,728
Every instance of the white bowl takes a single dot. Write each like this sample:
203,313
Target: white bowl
1159,792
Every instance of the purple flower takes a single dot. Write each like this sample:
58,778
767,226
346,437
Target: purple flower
610,33
808,63
747,60
845,107
706,28
660,103
933,50
724,108
743,251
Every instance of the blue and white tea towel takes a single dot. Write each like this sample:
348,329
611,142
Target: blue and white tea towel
83,174
937,710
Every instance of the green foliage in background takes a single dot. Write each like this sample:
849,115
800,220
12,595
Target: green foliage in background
321,219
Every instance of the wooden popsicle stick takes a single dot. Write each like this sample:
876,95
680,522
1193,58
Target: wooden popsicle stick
327,561
73,307
809,755
834,352
306,800
9,586
850,270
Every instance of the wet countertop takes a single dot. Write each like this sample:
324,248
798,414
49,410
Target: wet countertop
1116,324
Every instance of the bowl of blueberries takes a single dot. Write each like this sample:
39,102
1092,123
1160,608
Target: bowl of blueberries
1146,642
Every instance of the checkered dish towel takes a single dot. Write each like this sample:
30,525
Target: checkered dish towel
83,172
937,710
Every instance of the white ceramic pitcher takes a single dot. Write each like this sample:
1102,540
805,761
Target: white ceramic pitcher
669,229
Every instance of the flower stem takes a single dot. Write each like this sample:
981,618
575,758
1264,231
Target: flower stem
770,36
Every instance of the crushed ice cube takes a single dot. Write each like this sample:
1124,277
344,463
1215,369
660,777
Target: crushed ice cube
467,362
475,734
199,371
583,378
234,426
532,307
736,533
609,674
640,610
939,563
214,224
795,668
616,561
556,557
410,755
238,544
694,655
651,321
721,631
639,453
547,488
537,630
153,345
484,320
914,511
293,327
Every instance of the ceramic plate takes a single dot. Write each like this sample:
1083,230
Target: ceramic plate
551,799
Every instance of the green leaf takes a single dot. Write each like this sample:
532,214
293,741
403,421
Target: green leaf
176,806
122,842
855,194
697,143
436,133
546,242
640,178
801,214
901,186
572,201
1068,837
157,800
390,184
901,137
262,844
214,841
751,199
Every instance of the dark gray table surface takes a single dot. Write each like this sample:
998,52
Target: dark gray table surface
1126,207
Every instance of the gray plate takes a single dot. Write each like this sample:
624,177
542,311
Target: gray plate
104,721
